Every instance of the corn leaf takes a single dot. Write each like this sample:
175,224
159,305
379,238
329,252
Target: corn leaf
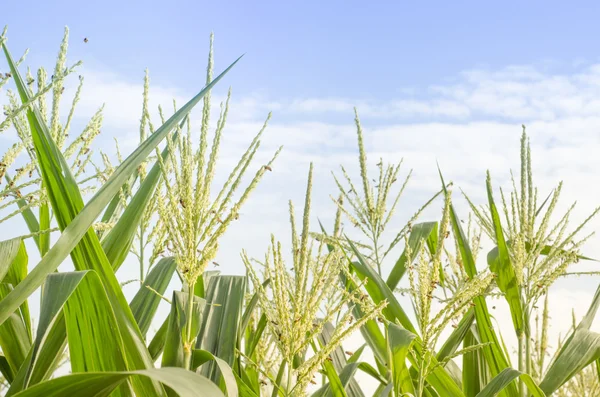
400,341
221,321
501,265
101,384
505,379
145,302
419,232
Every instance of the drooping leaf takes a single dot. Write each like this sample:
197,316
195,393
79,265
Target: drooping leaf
506,378
101,384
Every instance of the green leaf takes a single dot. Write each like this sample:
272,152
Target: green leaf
89,321
474,373
505,379
173,352
336,387
580,350
501,265
419,232
201,357
145,302
101,384
400,341
457,336
221,321
15,333
157,344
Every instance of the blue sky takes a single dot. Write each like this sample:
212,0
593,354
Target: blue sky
333,48
447,82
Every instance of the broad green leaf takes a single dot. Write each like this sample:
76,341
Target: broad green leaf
201,357
400,341
15,333
145,302
101,384
474,374
419,232
580,350
89,323
173,354
501,265
505,379
336,387
221,321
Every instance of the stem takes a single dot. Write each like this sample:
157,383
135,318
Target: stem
521,337
187,343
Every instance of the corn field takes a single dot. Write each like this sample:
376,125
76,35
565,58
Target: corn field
279,329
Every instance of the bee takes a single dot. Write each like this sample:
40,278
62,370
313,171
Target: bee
380,319
185,270
540,286
351,191
19,169
447,234
182,203
268,168
78,163
394,180
216,264
274,323
454,326
296,320
7,74
6,113
62,90
473,304
236,216
349,353
313,382
262,382
85,40
493,307
86,151
329,359
30,81
3,165
18,193
30,198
